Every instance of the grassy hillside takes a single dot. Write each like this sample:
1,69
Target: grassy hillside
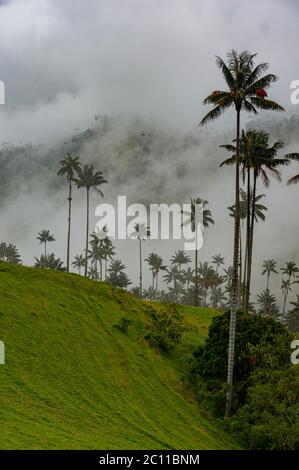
71,380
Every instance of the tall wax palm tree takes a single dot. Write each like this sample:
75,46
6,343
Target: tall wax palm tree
248,205
69,166
264,164
174,274
45,237
208,278
117,276
50,262
156,265
243,215
269,267
246,86
258,157
180,258
116,267
141,233
9,253
89,179
188,276
290,270
218,260
218,297
196,205
108,250
103,249
151,262
78,263
268,305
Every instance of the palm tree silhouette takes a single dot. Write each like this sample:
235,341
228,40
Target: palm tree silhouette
108,251
151,260
89,179
156,265
45,237
258,157
117,276
208,278
174,274
269,267
218,260
188,276
268,305
78,263
193,221
69,166
141,233
291,271
180,258
50,262
248,206
245,91
9,253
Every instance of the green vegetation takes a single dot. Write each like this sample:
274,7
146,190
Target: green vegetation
73,381
266,389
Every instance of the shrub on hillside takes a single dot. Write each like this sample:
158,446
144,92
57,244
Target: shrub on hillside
270,417
167,327
123,325
266,388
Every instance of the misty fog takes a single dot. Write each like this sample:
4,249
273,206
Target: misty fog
121,84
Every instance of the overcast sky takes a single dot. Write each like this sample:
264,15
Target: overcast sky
63,61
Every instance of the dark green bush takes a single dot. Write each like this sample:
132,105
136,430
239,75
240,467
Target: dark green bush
123,325
260,343
167,328
270,417
266,386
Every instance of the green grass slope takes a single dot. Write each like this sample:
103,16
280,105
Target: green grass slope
73,381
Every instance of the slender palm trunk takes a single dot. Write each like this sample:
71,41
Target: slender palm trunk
45,249
96,268
140,266
245,271
284,303
235,284
87,231
106,263
248,216
153,284
240,269
79,269
69,227
250,245
101,269
196,266
157,281
286,294
268,281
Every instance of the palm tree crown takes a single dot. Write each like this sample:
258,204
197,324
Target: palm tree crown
243,80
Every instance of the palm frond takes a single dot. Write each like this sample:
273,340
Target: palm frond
226,72
263,103
263,82
256,73
293,180
212,115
